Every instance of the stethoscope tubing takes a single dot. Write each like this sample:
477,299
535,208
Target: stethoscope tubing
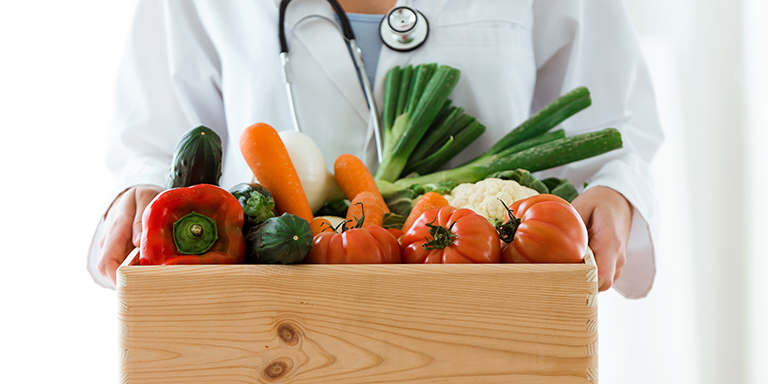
357,58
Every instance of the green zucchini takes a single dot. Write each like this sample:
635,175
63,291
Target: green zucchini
285,239
197,159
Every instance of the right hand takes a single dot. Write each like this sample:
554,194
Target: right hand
122,228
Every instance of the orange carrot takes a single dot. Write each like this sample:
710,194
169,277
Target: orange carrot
319,225
372,206
354,177
429,201
267,157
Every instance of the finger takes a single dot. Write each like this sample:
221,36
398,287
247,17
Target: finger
617,274
605,245
143,198
117,238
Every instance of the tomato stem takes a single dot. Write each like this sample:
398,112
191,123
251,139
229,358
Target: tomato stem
442,237
507,230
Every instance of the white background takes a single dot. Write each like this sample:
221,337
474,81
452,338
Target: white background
702,323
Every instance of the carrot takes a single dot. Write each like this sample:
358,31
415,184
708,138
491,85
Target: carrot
369,204
320,225
429,200
267,157
354,177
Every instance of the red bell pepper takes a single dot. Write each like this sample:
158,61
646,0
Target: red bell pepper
201,224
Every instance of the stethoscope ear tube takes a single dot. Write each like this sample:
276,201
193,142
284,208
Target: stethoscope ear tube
346,29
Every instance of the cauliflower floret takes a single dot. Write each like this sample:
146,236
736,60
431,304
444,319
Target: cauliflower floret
483,196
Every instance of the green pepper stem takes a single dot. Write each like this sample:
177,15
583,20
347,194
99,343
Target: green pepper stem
194,234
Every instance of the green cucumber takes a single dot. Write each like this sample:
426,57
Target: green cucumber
197,159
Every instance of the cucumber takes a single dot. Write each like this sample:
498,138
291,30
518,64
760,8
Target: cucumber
197,159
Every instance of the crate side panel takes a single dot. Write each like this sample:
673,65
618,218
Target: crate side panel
358,324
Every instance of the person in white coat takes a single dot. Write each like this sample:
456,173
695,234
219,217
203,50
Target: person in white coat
216,63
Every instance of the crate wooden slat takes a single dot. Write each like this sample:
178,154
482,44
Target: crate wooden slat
499,323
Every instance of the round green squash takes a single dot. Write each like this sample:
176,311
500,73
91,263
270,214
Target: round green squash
285,239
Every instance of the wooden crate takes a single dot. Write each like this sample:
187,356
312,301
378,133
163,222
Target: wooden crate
468,323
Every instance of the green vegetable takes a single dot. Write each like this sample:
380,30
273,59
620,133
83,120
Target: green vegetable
421,110
548,155
334,208
401,202
197,159
549,117
522,177
451,148
393,220
257,202
285,239
561,187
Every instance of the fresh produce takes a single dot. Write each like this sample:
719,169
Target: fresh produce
548,155
558,187
336,208
369,205
422,108
561,187
450,235
319,185
201,224
483,197
547,118
197,159
271,164
320,224
543,229
257,202
393,221
354,178
284,239
359,245
522,177
429,200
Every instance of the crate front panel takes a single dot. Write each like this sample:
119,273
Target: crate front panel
496,323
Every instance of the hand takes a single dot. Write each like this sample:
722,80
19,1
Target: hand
608,216
122,228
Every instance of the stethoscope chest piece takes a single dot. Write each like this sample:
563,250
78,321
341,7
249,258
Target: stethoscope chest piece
403,29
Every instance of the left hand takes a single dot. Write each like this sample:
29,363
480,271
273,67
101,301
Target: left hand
608,216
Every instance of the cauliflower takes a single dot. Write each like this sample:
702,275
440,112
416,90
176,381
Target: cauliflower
483,196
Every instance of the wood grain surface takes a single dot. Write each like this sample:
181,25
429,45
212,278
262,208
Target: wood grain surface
500,323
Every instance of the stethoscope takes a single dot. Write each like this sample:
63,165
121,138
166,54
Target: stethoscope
402,29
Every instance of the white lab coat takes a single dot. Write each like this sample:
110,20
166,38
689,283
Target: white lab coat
216,63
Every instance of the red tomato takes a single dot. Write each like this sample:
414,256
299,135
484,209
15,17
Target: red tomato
366,245
463,237
550,230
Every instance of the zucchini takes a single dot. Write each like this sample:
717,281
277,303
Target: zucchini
285,239
197,159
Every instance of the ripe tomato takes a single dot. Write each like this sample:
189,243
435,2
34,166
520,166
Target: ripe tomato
548,230
450,235
366,245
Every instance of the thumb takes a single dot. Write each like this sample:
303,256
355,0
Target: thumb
143,198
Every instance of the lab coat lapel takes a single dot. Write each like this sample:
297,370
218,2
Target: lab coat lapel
327,47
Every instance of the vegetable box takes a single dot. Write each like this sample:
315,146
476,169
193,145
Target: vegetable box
460,323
